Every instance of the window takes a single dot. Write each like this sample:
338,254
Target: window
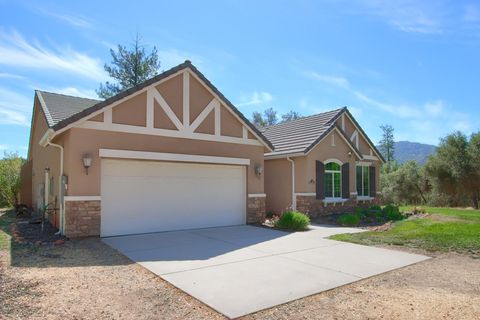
333,180
363,181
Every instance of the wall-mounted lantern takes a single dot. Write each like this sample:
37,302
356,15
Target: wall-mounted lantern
87,161
258,169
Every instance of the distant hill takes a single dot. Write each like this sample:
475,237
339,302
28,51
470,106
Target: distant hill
406,150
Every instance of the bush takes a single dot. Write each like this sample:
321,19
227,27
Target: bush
269,215
293,220
349,219
392,213
375,207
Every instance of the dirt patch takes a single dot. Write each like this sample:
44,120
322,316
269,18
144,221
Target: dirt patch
86,279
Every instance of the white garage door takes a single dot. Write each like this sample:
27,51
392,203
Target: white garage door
146,196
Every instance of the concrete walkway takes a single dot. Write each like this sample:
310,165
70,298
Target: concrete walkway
242,269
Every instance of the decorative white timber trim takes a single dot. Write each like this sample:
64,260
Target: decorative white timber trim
333,140
244,132
82,198
305,194
343,121
115,127
218,123
367,157
257,195
153,94
228,109
334,130
186,99
354,137
150,112
205,112
365,138
107,116
160,156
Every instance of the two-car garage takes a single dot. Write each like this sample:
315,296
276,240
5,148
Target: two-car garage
141,196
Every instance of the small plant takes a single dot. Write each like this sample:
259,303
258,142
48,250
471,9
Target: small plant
269,215
392,213
293,220
349,219
375,207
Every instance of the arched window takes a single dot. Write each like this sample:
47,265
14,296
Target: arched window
333,180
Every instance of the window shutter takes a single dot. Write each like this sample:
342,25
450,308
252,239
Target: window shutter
373,183
346,181
319,178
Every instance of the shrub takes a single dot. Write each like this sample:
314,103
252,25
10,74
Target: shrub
375,207
349,219
293,220
392,213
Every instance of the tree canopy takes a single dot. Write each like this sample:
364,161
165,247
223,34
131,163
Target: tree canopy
387,143
10,167
130,66
269,117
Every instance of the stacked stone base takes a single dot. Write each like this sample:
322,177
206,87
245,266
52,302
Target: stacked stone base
82,218
315,208
256,209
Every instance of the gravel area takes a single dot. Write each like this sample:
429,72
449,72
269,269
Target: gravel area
86,279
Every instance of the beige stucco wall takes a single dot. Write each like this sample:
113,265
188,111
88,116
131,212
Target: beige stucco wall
363,145
44,157
278,172
90,141
278,185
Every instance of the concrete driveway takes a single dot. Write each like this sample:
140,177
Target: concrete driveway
242,269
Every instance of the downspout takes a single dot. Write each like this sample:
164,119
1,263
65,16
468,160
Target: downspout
46,141
294,198
60,189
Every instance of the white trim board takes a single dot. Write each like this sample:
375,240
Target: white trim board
82,198
305,194
257,195
115,127
160,156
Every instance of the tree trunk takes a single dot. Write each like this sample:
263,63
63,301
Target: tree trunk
475,200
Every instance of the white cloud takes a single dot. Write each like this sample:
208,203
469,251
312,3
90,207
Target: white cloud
15,51
435,108
408,15
14,108
11,76
329,79
256,98
74,20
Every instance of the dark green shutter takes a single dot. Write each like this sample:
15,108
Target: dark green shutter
320,180
346,181
373,183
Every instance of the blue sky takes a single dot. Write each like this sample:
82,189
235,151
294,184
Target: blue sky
412,64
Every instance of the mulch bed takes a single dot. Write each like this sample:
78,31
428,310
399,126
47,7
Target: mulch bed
25,232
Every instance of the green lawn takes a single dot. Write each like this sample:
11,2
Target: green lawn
446,229
6,218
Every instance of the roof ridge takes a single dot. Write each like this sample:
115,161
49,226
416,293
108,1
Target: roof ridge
303,118
66,95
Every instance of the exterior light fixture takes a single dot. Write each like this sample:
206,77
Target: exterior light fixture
258,169
87,161
349,154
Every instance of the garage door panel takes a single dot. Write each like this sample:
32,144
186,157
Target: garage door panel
141,196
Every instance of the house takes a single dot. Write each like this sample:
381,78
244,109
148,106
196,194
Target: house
173,153
323,163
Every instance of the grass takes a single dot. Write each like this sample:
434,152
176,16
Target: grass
446,229
349,219
6,218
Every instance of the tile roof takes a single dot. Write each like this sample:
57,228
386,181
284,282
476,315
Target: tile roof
298,136
58,107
